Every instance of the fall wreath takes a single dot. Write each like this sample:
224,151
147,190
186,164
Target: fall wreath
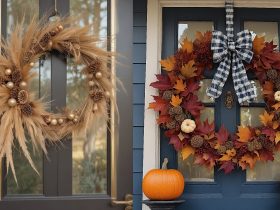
21,113
179,107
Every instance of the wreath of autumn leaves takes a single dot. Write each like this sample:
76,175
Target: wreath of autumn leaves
23,117
179,107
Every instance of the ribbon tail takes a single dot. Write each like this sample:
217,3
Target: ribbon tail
245,91
220,78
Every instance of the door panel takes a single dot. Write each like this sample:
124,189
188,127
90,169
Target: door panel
87,171
254,189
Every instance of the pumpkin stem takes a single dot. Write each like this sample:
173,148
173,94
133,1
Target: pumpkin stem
164,164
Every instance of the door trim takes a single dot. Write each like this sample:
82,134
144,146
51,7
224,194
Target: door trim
151,147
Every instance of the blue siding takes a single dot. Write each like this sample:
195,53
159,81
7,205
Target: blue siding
139,68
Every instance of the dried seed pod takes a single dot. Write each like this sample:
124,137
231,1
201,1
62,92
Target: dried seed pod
171,124
53,33
26,109
96,95
272,74
222,149
180,117
16,76
45,39
66,47
27,56
175,110
167,95
23,97
2,81
229,144
94,66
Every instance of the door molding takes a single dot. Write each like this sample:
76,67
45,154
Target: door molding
151,147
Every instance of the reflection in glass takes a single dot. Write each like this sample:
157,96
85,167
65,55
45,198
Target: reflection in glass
89,149
207,113
259,91
193,172
189,28
204,84
250,116
29,182
267,29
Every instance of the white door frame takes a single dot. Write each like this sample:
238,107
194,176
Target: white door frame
151,148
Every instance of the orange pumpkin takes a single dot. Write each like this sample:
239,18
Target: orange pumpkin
163,184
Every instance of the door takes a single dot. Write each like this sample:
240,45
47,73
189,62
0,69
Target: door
256,189
86,171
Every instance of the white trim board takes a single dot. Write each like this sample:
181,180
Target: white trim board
151,151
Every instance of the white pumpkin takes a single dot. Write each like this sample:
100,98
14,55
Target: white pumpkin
188,126
277,96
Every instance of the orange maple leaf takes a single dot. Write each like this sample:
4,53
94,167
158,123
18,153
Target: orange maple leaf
187,45
244,134
247,160
258,44
189,70
180,85
176,100
268,88
187,151
266,118
276,106
168,63
199,35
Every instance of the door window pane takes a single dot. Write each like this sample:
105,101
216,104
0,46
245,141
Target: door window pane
250,116
89,150
267,29
191,171
189,28
29,182
204,84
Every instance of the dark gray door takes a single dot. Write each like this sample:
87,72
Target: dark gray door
84,172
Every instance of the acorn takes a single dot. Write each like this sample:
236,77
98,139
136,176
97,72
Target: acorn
8,72
12,102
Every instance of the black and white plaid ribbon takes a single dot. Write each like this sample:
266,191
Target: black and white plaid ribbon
230,54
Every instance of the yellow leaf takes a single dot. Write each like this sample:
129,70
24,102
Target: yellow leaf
225,157
176,100
180,85
275,125
244,134
168,63
258,44
266,118
247,160
231,152
277,137
276,106
199,35
187,151
187,45
189,70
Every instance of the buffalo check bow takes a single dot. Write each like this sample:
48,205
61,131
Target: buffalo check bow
231,54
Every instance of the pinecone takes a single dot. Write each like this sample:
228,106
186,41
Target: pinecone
175,110
16,76
197,141
222,149
97,95
266,144
272,74
180,118
27,56
66,47
254,145
23,97
277,84
171,124
229,144
167,95
94,66
26,109
188,115
14,92
45,39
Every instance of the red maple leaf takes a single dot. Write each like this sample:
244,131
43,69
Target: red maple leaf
193,105
176,142
191,87
266,155
163,82
222,135
227,166
163,119
160,105
269,132
205,127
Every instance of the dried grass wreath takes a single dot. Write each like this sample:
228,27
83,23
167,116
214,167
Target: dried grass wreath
21,114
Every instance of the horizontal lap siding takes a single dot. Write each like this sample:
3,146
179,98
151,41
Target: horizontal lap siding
139,68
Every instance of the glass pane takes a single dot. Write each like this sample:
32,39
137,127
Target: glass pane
189,28
204,84
259,91
191,171
29,182
267,29
89,149
250,116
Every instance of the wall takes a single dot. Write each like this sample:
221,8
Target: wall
139,65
